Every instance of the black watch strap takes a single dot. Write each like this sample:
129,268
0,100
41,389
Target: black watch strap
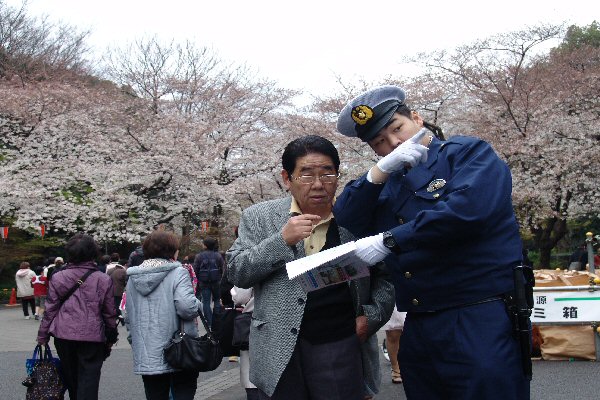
390,242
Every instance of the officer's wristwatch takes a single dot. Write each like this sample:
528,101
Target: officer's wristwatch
390,242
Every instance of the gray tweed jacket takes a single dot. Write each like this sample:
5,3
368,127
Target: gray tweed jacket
257,259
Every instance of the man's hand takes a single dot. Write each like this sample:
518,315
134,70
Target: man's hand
408,153
42,342
371,249
362,328
298,228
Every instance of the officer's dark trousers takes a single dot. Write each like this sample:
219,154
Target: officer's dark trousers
81,364
466,353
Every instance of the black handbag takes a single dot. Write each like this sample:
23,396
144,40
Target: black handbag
222,328
241,330
190,353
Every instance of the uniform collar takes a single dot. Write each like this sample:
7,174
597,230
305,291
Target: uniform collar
434,149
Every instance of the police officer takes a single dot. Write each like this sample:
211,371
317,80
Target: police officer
440,213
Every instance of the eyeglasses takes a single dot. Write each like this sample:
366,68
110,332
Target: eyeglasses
310,179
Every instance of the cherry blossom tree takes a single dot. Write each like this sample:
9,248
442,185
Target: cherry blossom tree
85,154
36,47
225,113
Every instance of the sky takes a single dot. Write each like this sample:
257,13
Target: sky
306,44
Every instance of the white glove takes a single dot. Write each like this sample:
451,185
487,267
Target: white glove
410,152
371,249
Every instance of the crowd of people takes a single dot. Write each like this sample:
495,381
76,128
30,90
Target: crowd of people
440,238
81,309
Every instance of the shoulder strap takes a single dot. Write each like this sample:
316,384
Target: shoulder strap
72,290
209,333
77,284
217,260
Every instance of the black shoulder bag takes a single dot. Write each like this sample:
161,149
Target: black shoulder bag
241,330
193,353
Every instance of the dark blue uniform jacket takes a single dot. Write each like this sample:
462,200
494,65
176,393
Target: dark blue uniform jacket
458,241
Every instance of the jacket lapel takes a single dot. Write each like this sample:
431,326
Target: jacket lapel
281,215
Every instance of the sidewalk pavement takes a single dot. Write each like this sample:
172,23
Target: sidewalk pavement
118,380
553,380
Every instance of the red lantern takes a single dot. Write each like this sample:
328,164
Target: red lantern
204,226
42,230
4,232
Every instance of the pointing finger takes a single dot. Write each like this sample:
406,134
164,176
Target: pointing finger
418,136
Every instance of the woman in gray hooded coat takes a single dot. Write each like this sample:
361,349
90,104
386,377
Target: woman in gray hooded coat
159,293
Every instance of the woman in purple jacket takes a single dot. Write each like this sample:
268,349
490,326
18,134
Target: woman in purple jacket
84,324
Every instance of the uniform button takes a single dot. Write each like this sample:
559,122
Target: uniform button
435,196
312,247
294,331
407,275
415,302
301,301
400,221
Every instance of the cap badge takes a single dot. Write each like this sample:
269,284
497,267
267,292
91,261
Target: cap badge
436,184
362,114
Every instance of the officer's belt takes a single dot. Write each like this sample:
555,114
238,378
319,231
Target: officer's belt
488,300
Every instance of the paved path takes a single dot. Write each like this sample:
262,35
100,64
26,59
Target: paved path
553,380
117,381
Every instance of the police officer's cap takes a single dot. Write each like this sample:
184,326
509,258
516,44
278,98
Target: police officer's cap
365,115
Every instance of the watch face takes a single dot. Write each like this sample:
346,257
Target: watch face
388,241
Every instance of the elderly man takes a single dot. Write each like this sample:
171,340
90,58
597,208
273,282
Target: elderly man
318,345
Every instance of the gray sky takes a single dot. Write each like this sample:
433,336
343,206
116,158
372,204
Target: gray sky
304,44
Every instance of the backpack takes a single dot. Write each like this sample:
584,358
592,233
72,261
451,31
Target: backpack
208,268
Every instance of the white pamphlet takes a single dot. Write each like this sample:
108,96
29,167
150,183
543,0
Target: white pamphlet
328,267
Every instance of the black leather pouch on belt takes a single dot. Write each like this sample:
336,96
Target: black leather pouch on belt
519,305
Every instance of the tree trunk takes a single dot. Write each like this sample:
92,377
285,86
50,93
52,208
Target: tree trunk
551,231
184,246
545,253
